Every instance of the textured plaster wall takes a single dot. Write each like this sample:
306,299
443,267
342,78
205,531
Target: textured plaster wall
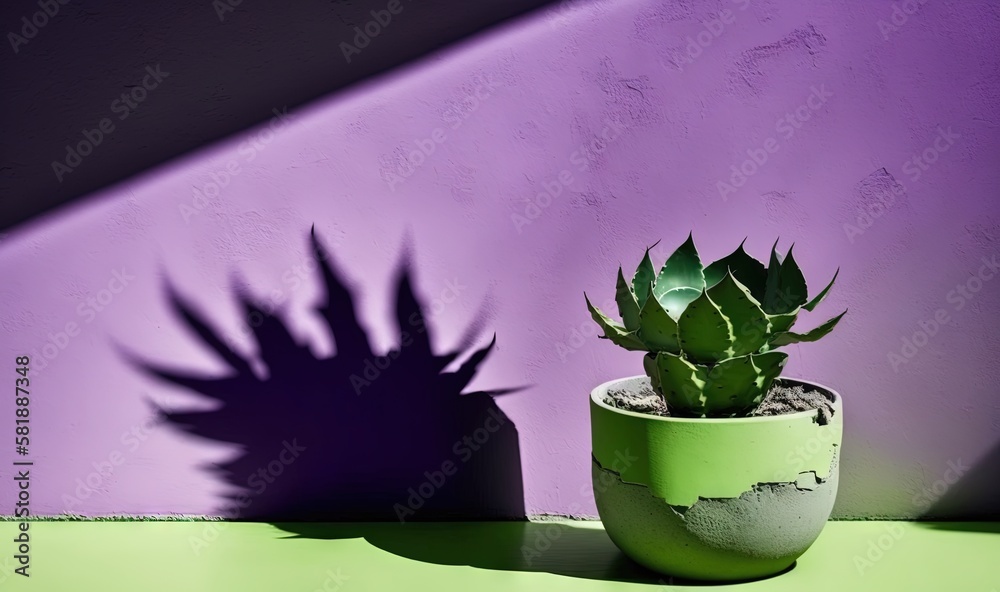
680,104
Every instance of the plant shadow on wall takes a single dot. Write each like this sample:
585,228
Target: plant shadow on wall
354,436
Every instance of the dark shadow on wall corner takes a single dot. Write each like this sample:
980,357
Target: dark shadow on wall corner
985,527
566,549
974,496
227,68
354,436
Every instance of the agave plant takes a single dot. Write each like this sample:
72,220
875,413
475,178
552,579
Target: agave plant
710,333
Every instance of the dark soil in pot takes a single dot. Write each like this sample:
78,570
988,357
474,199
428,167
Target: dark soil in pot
780,399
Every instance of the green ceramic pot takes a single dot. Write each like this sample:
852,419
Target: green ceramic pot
714,499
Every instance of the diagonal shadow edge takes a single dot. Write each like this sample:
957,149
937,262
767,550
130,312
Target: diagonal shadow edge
963,487
40,201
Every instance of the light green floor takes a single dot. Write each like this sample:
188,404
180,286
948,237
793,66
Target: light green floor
551,556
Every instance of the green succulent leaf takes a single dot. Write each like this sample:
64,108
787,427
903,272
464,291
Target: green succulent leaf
710,333
786,287
652,370
769,365
613,331
782,322
705,334
793,290
628,308
682,269
682,383
732,386
657,330
676,300
643,279
750,325
787,337
771,283
747,270
819,297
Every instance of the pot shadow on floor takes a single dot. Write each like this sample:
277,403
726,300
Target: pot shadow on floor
575,549
346,437
975,496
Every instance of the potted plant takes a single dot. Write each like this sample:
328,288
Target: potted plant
710,466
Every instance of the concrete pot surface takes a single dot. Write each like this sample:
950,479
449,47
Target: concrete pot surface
714,499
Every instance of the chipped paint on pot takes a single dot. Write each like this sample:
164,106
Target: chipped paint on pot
714,499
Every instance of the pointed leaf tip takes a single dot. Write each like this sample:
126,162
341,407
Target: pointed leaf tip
657,329
749,323
644,276
788,338
744,268
785,288
705,334
628,307
612,330
812,304
683,269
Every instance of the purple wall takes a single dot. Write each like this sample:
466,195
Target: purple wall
844,109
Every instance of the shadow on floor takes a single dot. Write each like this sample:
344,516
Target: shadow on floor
987,527
354,436
579,550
